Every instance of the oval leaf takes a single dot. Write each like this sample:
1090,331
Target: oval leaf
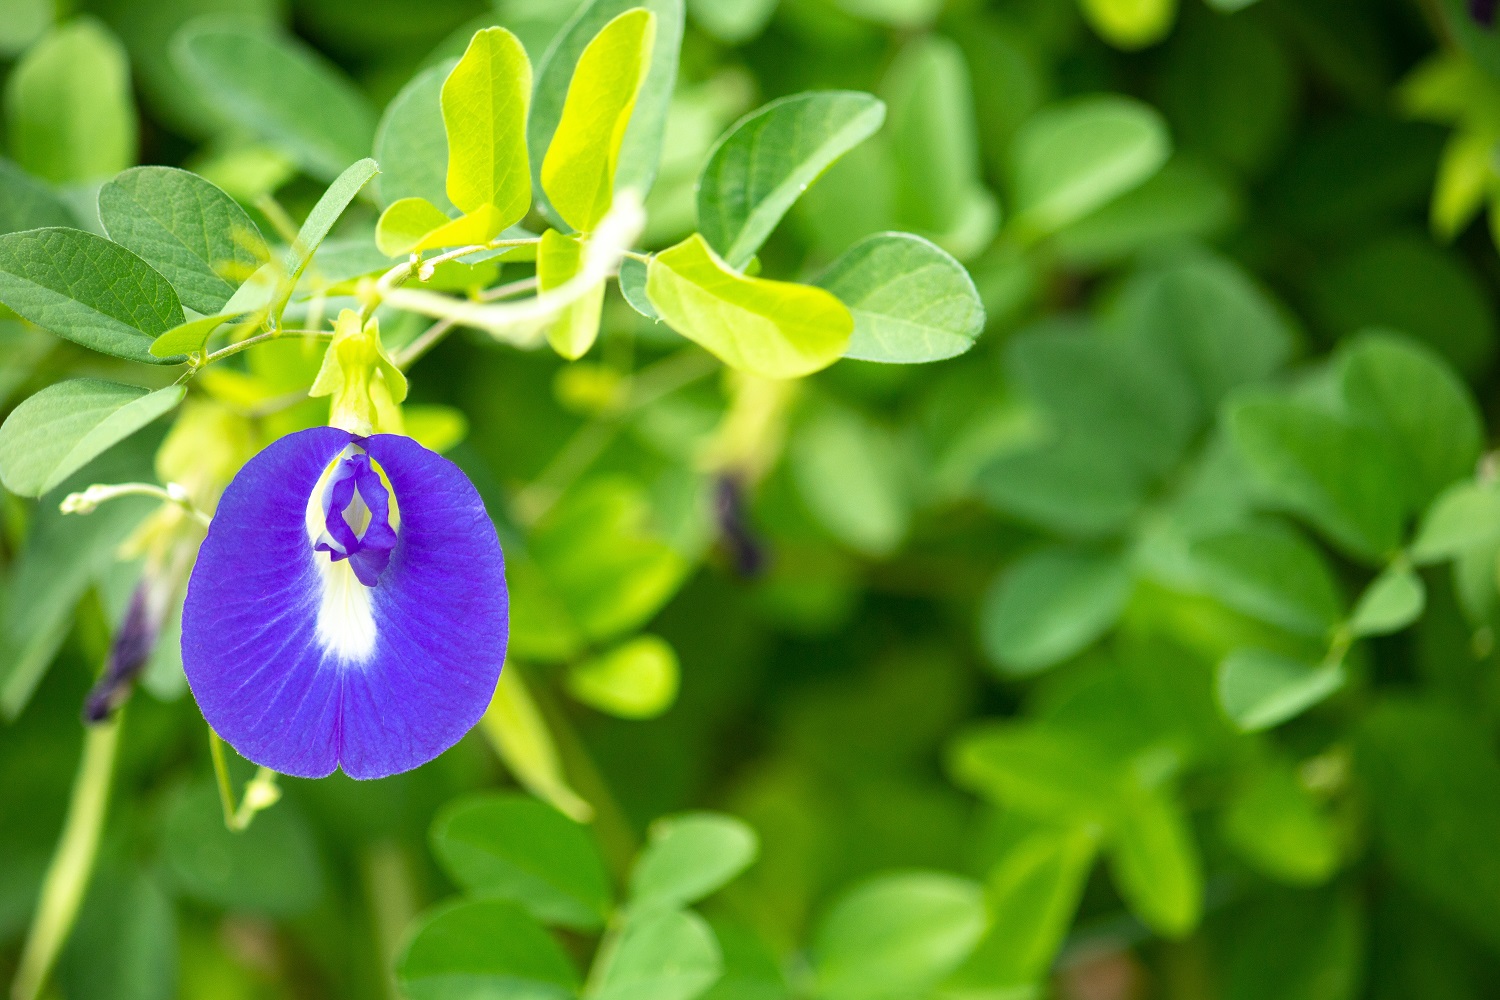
88,290
911,301
775,329
670,955
1260,689
484,101
490,948
691,856
1051,605
763,164
635,680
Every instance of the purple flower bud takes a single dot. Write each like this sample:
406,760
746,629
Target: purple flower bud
348,608
128,655
745,550
1483,12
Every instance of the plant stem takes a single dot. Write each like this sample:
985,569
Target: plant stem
260,791
426,341
260,338
68,875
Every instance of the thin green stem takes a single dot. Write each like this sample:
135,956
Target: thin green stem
261,791
89,500
261,338
68,875
426,341
507,290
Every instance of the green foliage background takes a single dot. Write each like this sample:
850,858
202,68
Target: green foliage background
1144,648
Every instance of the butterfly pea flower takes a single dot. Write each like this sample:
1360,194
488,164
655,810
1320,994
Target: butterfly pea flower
348,608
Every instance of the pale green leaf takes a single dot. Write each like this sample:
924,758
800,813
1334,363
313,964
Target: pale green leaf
764,163
1051,605
635,680
1393,601
911,301
405,223
280,90
486,948
848,472
1073,158
69,107
1130,24
1155,862
689,857
28,203
1271,573
1274,823
485,100
1465,517
88,290
771,328
22,22
190,231
1259,689
578,172
411,143
1046,773
56,432
559,259
319,223
662,955
632,280
732,22
189,337
434,426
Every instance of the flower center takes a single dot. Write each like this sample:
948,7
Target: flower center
355,517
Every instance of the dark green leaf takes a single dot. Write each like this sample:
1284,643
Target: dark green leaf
1051,605
1304,946
1272,573
491,949
28,203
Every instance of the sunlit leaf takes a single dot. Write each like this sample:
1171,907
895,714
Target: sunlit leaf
485,101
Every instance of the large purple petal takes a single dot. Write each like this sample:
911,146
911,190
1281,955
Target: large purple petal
263,674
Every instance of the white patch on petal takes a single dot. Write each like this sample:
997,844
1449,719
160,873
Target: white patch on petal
346,622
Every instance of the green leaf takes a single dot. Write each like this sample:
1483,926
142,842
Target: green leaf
1050,605
272,868
487,948
434,426
1130,24
1045,773
636,680
638,156
68,105
1393,601
124,946
60,429
279,90
1068,486
1430,773
1466,516
775,329
23,22
762,165
663,955
1302,946
88,290
1155,862
27,203
897,935
849,474
517,848
411,143
578,172
189,337
632,279
1419,406
934,149
485,100
190,231
911,301
1272,573
559,258
1073,158
732,22
1340,476
689,857
405,223
1259,689
1275,825
319,223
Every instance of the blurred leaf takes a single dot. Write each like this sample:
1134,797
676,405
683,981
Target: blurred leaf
484,101
848,473
934,147
27,203
1464,517
641,150
1045,773
897,935
69,110
22,22
516,848
897,13
661,955
272,868
1130,24
1393,601
1272,573
1067,486
1155,862
1464,179
405,223
88,290
1259,689
1307,946
637,679
1274,824
411,142
435,427
911,301
732,22
775,329
1050,605
62,428
689,857
1070,159
1341,476
486,948
124,946
1420,406
318,224
190,231
1185,200
763,164
578,172
559,258
632,279
279,90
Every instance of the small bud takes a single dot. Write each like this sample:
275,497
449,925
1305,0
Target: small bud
1483,12
363,381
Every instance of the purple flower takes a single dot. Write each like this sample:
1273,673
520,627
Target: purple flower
1483,12
348,608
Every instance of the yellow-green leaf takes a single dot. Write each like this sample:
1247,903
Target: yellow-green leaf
635,680
403,225
485,100
434,426
479,226
776,329
578,172
558,260
187,337
1130,24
